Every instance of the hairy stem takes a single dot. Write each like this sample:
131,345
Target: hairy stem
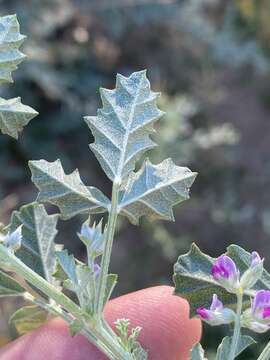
109,235
265,355
237,327
100,337
58,311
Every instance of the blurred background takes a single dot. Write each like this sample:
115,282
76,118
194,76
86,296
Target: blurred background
210,59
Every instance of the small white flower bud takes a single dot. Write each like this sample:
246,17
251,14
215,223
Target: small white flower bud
13,240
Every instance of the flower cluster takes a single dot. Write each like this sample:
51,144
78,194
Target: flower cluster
226,273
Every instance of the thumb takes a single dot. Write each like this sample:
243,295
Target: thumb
168,333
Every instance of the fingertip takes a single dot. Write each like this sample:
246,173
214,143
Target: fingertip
167,333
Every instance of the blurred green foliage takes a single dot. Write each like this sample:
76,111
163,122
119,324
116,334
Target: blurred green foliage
210,59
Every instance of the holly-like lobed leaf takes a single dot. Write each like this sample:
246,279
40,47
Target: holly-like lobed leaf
67,192
197,353
9,287
27,318
10,42
224,348
194,282
154,190
38,232
14,116
68,265
122,127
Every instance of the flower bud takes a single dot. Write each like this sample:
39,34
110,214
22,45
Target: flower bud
217,314
13,240
253,273
97,270
93,238
226,273
257,318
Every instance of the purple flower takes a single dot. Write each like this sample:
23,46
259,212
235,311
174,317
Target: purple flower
255,259
261,305
217,314
226,273
257,318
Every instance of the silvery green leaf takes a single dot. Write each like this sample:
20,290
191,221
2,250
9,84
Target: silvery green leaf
225,346
9,287
122,127
27,318
38,233
83,275
67,263
80,279
154,190
14,116
197,353
66,191
10,42
86,288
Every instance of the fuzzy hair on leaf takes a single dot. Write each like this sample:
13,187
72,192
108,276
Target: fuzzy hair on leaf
122,127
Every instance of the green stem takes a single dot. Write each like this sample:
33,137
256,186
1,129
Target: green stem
109,235
57,311
95,333
265,355
237,327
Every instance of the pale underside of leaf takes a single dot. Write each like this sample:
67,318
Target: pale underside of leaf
28,318
38,232
194,281
14,116
225,346
67,192
10,42
154,190
122,127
